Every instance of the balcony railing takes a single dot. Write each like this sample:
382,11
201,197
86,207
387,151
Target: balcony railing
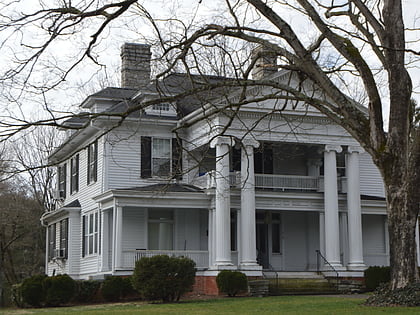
200,257
272,181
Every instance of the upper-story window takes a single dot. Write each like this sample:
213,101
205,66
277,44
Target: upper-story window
160,157
162,109
92,164
74,172
62,174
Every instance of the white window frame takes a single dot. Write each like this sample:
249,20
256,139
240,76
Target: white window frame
153,157
91,234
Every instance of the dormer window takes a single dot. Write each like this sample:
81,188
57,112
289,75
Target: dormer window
74,171
92,164
161,109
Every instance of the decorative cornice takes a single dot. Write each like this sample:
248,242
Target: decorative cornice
355,149
220,140
331,147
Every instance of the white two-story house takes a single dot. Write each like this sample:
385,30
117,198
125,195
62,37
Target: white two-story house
260,187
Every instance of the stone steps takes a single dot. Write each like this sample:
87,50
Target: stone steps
295,286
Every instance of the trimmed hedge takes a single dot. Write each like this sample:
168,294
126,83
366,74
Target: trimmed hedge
59,290
86,290
375,275
116,288
231,282
32,291
163,278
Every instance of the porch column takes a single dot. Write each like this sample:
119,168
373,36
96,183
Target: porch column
211,233
118,238
247,223
222,218
105,240
354,210
418,241
332,236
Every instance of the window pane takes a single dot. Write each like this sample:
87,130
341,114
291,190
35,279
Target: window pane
161,148
161,167
276,238
161,215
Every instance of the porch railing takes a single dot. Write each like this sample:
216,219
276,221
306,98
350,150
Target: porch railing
286,182
273,181
201,258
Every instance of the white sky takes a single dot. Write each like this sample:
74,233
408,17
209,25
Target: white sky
75,87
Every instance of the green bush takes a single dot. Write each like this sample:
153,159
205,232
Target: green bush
59,290
231,282
32,290
163,278
115,288
384,296
86,290
376,275
16,294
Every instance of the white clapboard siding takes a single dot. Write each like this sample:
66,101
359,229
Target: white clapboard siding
123,159
371,183
374,240
74,244
134,231
86,192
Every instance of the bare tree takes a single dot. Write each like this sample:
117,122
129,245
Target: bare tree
351,41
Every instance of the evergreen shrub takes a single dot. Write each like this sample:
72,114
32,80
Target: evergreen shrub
163,278
375,275
59,290
86,290
231,282
116,288
32,290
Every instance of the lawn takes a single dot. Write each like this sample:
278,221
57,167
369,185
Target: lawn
268,305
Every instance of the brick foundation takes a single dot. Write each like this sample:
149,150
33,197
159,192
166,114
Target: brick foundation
205,285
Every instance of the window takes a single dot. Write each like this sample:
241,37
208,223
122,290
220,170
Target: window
161,157
64,230
51,241
160,229
276,233
92,166
74,180
62,174
162,107
90,234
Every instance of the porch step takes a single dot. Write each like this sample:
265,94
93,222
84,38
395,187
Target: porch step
269,274
288,286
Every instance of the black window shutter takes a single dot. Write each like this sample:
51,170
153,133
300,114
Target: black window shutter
65,179
236,159
95,170
146,156
177,158
77,172
88,164
83,235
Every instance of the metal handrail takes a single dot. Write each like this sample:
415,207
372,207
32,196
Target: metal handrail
318,265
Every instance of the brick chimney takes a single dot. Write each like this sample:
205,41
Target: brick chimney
135,65
266,63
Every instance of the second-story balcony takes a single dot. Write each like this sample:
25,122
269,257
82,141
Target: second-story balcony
273,181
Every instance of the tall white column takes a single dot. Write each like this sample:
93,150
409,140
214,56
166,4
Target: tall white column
322,233
248,234
211,237
105,240
418,241
118,237
222,219
354,210
332,236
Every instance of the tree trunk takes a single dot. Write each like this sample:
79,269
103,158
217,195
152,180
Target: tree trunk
402,219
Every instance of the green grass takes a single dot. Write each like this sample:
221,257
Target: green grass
268,305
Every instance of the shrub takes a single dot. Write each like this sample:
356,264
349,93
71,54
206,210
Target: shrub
16,294
32,291
384,296
376,275
59,290
163,278
115,288
231,282
86,290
